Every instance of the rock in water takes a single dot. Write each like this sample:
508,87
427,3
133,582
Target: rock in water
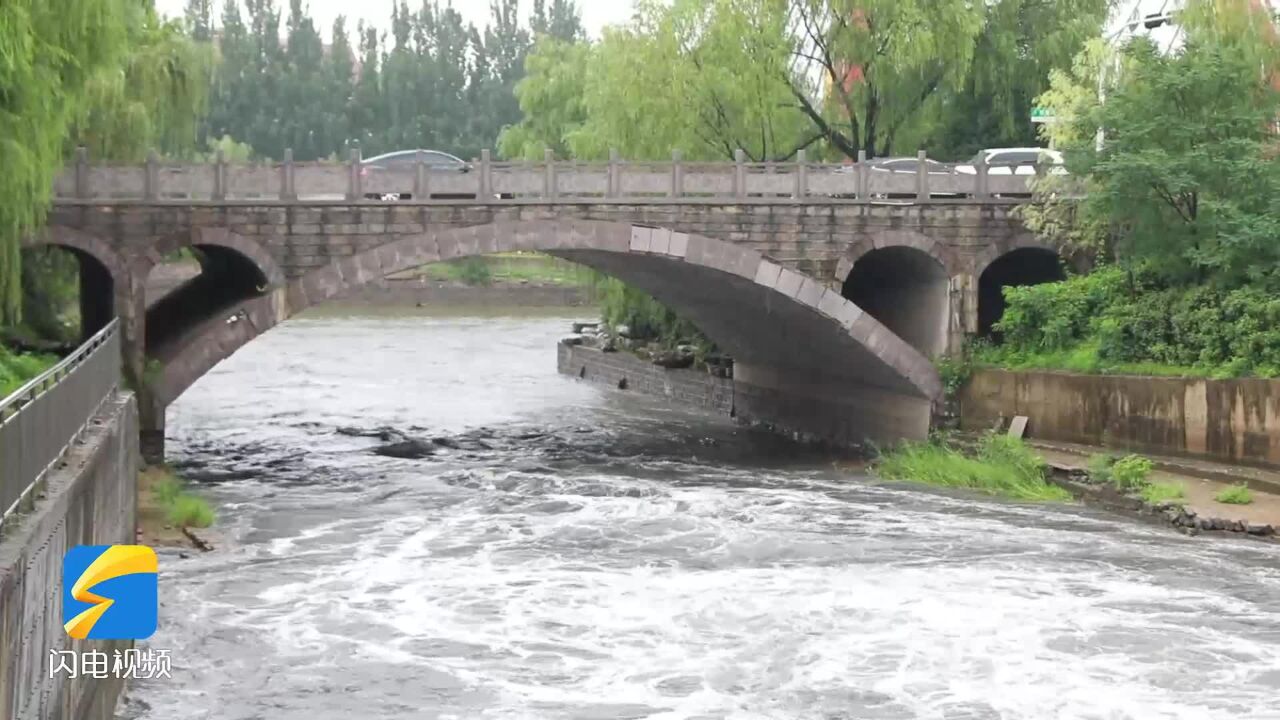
412,449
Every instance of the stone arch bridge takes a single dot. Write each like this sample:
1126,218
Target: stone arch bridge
830,289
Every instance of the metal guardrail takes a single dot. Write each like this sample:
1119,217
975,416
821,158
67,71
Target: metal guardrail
489,182
40,420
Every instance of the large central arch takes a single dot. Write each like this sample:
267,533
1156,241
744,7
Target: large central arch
798,345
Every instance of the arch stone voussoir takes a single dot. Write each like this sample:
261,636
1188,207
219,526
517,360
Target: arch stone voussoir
578,239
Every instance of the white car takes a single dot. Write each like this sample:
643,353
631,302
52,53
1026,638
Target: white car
1015,161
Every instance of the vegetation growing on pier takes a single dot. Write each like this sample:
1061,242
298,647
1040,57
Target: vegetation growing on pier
166,506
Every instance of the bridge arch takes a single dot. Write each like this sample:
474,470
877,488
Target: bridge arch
903,280
766,316
103,272
1026,261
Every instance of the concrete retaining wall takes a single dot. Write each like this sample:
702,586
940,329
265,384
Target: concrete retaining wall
696,388
1235,421
90,500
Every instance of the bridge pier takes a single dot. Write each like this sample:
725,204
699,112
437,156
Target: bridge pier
833,409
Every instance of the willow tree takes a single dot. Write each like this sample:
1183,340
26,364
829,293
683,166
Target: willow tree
49,53
865,70
153,99
700,76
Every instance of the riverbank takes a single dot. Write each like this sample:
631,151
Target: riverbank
1060,474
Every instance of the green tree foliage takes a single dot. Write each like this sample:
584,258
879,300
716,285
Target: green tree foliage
49,54
1179,150
1021,43
433,81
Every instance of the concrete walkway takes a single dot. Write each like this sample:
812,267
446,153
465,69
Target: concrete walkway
1200,480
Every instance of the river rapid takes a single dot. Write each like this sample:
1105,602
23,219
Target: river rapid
573,551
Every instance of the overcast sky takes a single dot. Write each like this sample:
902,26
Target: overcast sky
595,13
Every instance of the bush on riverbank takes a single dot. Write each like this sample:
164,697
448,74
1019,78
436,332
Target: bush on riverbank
1001,465
1235,495
1113,321
17,368
165,506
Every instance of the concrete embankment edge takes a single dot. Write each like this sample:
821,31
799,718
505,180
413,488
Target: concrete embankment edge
90,500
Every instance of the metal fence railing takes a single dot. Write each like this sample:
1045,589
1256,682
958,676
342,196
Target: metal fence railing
41,419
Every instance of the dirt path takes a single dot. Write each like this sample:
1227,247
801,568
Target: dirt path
1200,481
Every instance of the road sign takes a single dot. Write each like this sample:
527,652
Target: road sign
1042,115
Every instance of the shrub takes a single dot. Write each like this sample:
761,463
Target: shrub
1235,495
1156,493
1131,472
190,511
1099,467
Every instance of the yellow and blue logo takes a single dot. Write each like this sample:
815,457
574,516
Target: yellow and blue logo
109,592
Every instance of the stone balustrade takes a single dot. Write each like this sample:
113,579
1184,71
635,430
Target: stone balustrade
550,181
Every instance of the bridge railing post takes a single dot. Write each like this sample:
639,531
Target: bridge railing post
980,180
922,175
677,174
486,178
548,174
354,191
739,173
82,172
287,178
612,181
149,183
220,176
802,175
420,179
863,176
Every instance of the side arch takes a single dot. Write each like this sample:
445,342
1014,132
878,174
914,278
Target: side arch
764,314
104,275
908,290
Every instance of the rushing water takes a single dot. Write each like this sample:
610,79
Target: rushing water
586,553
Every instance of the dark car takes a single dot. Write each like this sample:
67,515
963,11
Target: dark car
435,161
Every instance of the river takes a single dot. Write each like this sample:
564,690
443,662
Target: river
587,553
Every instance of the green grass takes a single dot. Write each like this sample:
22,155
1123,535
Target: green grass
169,496
1002,466
1156,493
1235,495
1099,467
190,511
511,267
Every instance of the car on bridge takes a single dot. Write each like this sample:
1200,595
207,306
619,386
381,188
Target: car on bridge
435,161
1015,161
905,166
